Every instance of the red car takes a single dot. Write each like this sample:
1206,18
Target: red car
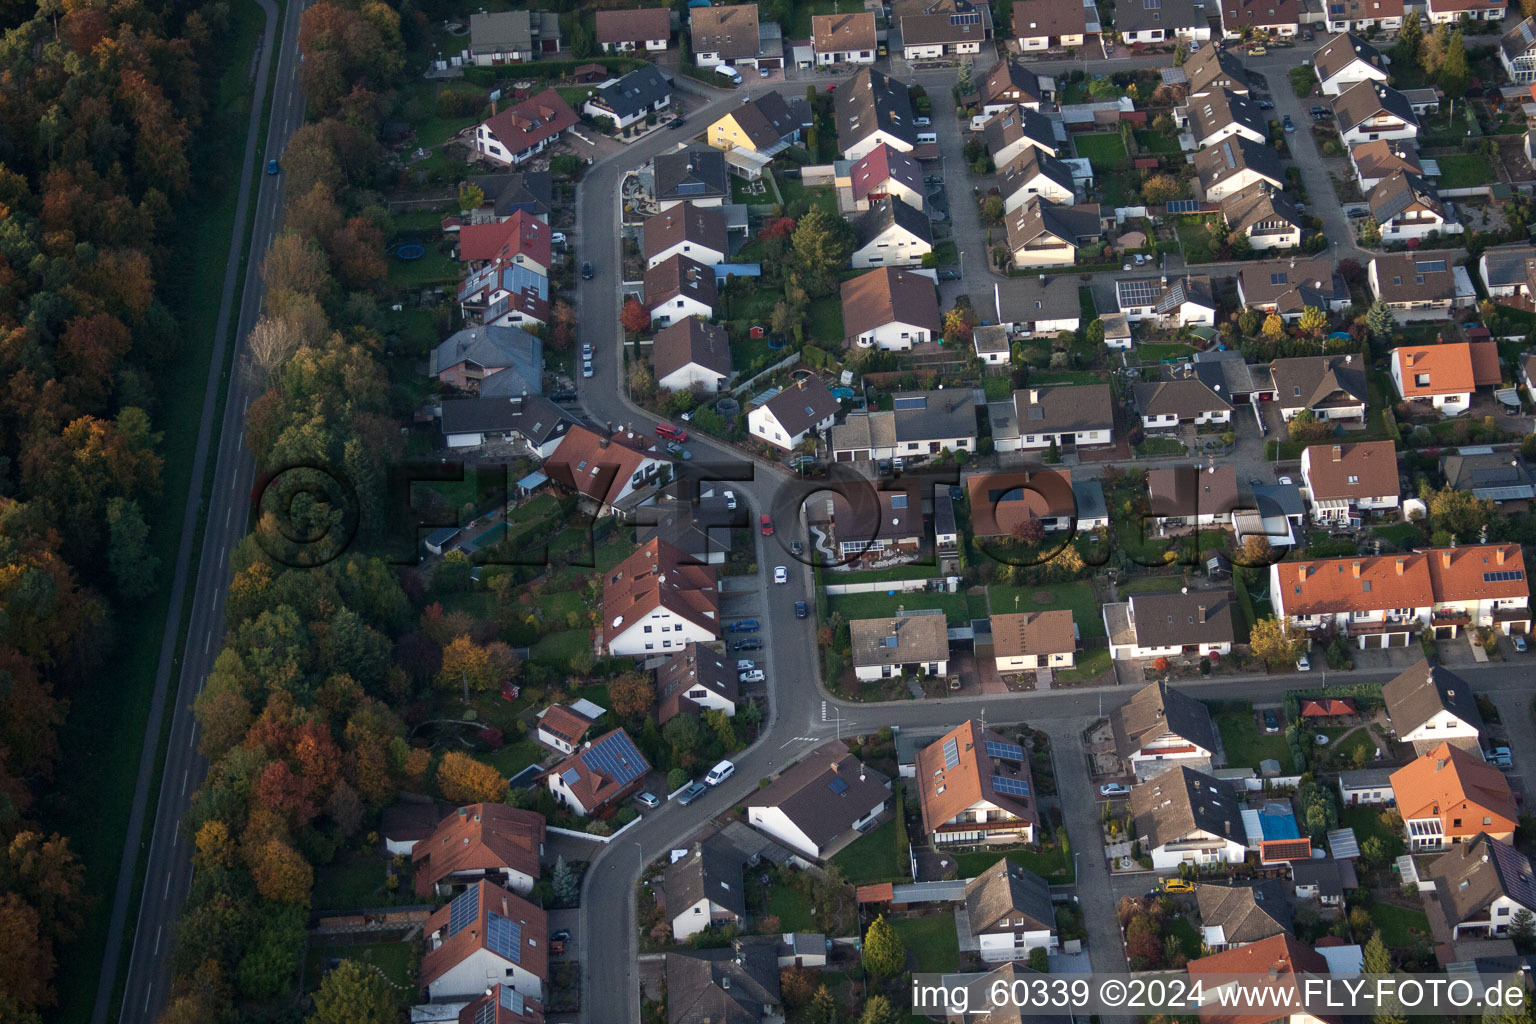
767,525
671,433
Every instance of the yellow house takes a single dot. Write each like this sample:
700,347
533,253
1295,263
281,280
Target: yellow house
764,126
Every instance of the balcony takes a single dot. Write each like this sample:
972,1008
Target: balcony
1377,627
1450,618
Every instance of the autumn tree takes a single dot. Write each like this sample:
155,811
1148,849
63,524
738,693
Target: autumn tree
1256,552
355,993
1274,327
466,665
634,317
562,326
215,847
1162,188
26,957
1459,513
884,954
463,780
1028,530
959,323
633,694
820,247
1312,321
471,196
281,873
1276,640
1307,428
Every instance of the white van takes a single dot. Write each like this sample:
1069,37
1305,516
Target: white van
726,71
719,773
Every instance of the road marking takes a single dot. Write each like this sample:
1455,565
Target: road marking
191,737
147,991
167,890
242,433
157,939
227,513
221,557
207,639
184,775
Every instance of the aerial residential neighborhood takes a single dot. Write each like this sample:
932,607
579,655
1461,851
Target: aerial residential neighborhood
712,513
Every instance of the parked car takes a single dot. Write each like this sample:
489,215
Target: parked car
1286,480
1271,722
692,793
586,368
1177,885
754,676
1114,789
1258,51
1303,664
557,238
747,645
586,351
796,548
564,934
745,665
677,451
801,611
1320,111
586,271
743,626
949,275
1266,105
719,773
780,574
730,501
677,122
670,432
1289,125
1519,642
648,800
922,122
765,523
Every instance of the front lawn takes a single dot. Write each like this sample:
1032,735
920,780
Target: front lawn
1157,142
353,881
1090,664
931,942
1078,597
514,757
826,319
1153,447
1049,863
873,857
883,604
1104,150
392,958
796,195
1402,535
1465,170
1158,352
1198,238
1367,823
1244,744
1399,926
559,648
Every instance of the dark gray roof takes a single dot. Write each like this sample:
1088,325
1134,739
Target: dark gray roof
1009,126
635,93
1027,299
505,349
1278,500
871,101
1244,913
530,191
534,417
1259,206
766,120
737,985
1171,620
1137,15
1323,873
1340,51
883,213
1039,217
1507,264
1060,409
1215,111
1224,371
681,275
691,340
825,793
1089,495
1029,165
1180,801
1319,382
1365,100
1474,874
691,174
1214,68
1501,476
1183,398
1005,892
1425,690
699,531
802,405
1009,80
710,870
943,512
1292,283
1157,710
1519,40
1398,191
927,416
1229,157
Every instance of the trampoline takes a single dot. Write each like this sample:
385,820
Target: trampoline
411,251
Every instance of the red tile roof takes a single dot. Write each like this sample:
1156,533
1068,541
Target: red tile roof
1460,789
1275,960
479,837
533,944
597,467
638,27
1332,585
591,786
522,234
658,575
1373,464
1001,501
881,165
1327,707
564,723
536,119
1454,368
1461,574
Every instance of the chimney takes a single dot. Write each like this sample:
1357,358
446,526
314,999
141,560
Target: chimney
1498,555
1338,453
602,442
1357,570
493,108
1408,359
1445,559
1439,763
1400,564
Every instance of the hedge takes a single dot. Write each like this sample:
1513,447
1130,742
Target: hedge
488,77
1366,696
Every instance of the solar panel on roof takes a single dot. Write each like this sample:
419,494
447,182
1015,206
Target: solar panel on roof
910,402
616,758
898,501
569,776
1010,786
890,641
965,19
1431,266
1183,206
463,910
1006,751
1503,576
504,937
838,786
512,999
1140,291
1280,278
951,753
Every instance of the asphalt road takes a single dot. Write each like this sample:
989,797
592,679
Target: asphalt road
169,870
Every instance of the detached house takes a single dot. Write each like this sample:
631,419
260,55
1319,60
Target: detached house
1507,270
521,240
1445,375
916,641
534,423
1265,216
922,423
1276,963
695,680
1160,728
764,126
658,601
843,38
1010,133
891,233
1167,404
726,34
735,985
976,787
1191,496
1010,912
1219,116
1344,481
485,933
1036,173
886,173
1044,234
691,355
1000,502
524,129
793,413
703,889
1449,797
679,287
1375,162
692,175
1362,15
1037,306
1214,69
1079,415
599,775
631,99
1493,476
511,37
1025,641
949,28
1289,285
1368,111
1346,60
1329,387
648,29
878,525
604,470
1011,84
873,109
1156,21
468,358
1185,817
1408,207
562,728
1166,625
1429,705
1418,286
692,231
1238,915
1175,302
1517,52
480,842
1481,886
1235,165
822,803
890,309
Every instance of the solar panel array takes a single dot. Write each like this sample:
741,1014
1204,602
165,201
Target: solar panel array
1140,291
512,999
1183,206
1431,266
1280,278
837,786
1010,786
463,910
569,776
1503,575
965,19
616,758
1006,751
504,937
1152,5
951,753
910,402
898,501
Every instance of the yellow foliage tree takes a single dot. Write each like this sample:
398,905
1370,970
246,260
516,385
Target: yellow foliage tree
1274,639
466,664
464,780
215,846
282,874
1274,327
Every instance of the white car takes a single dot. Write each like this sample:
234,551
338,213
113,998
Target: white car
1303,664
755,676
557,238
780,574
730,501
1286,480
745,665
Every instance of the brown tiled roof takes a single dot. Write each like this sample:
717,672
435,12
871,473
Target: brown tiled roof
1320,382
637,26
838,33
946,791
807,797
658,575
871,101
564,723
729,30
1185,399
1020,633
739,985
766,121
1003,894
681,275
1000,501
1423,691
533,936
697,225
802,405
1340,51
1275,961
1364,100
1156,710
1035,18
1472,875
1372,464
1063,408
920,635
925,29
1245,913
1400,279
1302,281
524,125
691,340
1450,784
595,466
889,295
1380,158
479,837
1181,800
1011,82
1167,620
503,1004
1192,491
1038,217
1237,15
694,665
1214,68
